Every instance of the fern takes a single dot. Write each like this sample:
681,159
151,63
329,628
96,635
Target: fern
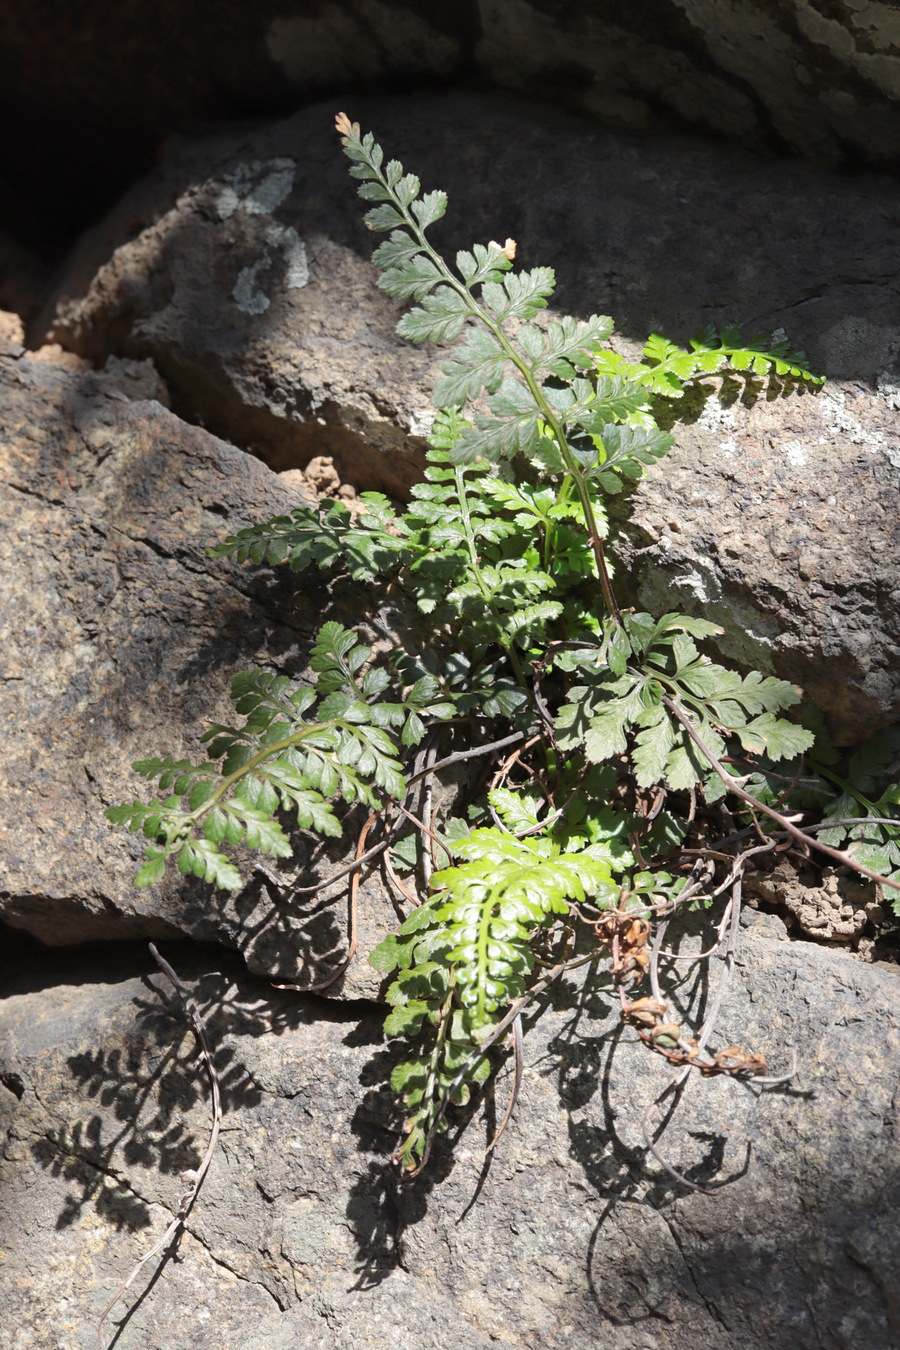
299,749
326,536
666,368
621,707
503,545
466,953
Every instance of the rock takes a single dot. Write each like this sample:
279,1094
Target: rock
119,638
56,355
12,331
572,1236
96,90
241,270
823,83
135,379
780,520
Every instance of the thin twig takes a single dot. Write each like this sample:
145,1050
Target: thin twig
347,871
398,884
651,1146
855,820
425,811
194,1178
420,825
513,758
473,753
654,960
778,1078
710,951
737,896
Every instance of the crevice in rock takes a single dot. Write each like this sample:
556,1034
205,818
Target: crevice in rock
378,457
710,1306
30,492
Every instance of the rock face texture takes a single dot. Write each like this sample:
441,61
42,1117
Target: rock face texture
119,637
819,78
573,1236
780,520
101,86
242,269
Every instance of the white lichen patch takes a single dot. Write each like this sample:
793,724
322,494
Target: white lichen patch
293,248
257,187
248,295
795,454
844,424
421,423
716,416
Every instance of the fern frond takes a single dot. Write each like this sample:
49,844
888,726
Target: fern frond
621,708
465,954
298,749
667,368
327,537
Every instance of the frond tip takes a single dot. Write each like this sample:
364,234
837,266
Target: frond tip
344,127
508,249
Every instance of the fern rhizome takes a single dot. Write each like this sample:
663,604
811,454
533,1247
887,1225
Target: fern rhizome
610,738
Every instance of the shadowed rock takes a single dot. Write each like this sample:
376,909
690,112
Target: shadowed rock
572,1237
119,641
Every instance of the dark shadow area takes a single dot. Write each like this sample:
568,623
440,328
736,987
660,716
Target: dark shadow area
149,1075
383,1202
28,965
94,94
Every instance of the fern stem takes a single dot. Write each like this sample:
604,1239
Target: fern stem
846,787
435,1060
485,919
572,467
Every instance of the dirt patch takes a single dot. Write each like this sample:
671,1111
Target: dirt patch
837,907
320,479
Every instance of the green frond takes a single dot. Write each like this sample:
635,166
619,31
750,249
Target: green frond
299,750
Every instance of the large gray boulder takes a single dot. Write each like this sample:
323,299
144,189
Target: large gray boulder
573,1236
242,269
119,639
